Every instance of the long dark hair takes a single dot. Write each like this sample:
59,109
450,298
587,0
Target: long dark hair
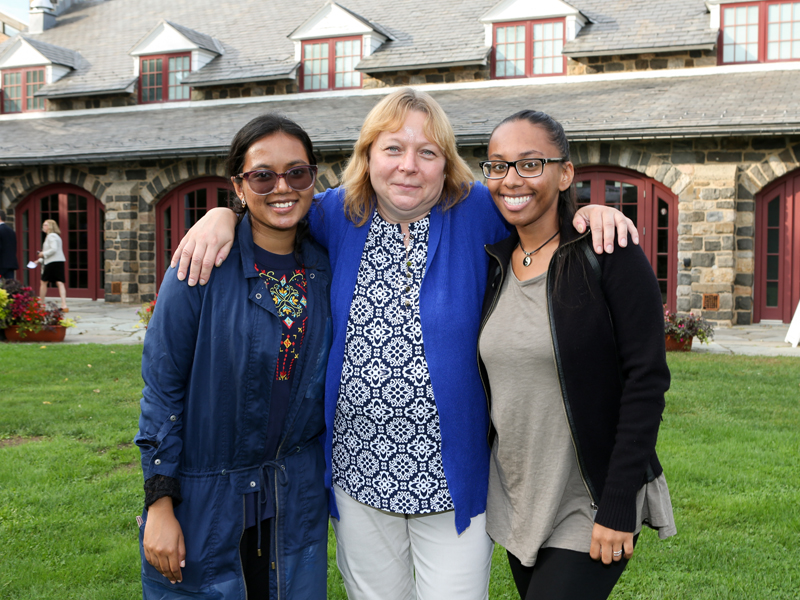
567,199
248,135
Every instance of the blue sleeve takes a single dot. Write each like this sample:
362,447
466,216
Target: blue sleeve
324,212
169,348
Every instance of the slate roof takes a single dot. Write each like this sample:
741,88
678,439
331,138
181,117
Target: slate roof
206,42
256,47
55,54
622,26
734,103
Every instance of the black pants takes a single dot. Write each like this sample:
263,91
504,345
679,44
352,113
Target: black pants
256,568
565,575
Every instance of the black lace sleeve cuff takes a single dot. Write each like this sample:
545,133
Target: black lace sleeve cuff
159,486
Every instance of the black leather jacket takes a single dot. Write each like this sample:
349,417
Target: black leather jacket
605,317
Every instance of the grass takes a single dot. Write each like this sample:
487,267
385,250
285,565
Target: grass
70,485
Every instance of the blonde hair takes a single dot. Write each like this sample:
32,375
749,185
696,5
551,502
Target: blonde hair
53,226
389,115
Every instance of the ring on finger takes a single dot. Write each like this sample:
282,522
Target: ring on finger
618,553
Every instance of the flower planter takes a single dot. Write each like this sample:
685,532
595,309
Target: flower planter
56,334
676,345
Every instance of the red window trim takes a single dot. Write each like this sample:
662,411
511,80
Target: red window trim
23,97
528,47
762,31
331,62
164,77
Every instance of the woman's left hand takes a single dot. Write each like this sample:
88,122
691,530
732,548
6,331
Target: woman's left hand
603,221
607,544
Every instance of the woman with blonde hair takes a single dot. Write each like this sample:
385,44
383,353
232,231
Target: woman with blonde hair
53,259
405,410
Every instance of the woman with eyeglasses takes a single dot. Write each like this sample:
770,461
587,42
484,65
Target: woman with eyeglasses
406,420
232,408
571,348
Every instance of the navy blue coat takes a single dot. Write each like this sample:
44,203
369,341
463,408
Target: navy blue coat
209,360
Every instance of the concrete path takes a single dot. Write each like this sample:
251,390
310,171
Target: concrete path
99,322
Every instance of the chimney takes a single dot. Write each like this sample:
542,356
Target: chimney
42,16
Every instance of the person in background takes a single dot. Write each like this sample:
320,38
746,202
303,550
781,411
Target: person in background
405,410
8,249
232,408
572,352
53,259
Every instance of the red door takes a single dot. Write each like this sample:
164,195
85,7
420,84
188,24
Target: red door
777,285
81,219
181,209
651,206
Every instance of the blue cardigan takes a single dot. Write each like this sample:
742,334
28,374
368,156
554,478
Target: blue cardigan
450,309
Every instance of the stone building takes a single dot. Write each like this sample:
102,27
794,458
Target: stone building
682,113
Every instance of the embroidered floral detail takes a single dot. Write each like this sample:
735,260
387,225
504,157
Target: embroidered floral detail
288,293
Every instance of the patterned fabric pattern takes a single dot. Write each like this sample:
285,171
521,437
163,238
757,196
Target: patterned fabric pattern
288,291
387,446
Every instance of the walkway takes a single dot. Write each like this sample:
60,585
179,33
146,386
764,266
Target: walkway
99,322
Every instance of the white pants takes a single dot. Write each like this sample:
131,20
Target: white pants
379,554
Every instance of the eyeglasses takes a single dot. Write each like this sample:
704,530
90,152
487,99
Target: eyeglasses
263,181
527,167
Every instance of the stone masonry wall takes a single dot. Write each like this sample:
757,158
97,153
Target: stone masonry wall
715,179
587,65
89,102
423,76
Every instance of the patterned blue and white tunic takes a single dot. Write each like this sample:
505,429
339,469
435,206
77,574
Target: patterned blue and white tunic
387,446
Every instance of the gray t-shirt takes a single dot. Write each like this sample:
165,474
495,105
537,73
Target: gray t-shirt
537,498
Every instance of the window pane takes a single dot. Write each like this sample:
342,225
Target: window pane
772,267
584,190
730,17
510,53
772,293
774,212
773,237
12,88
740,34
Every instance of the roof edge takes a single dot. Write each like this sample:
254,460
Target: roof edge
645,50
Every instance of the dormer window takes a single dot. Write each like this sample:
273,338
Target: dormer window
529,49
19,87
161,76
26,66
166,56
330,64
759,32
527,38
329,46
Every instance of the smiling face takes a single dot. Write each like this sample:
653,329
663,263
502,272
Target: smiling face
274,217
406,171
530,203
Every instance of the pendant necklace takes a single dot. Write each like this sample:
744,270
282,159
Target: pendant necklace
526,262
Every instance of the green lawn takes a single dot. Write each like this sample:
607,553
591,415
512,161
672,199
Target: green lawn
70,485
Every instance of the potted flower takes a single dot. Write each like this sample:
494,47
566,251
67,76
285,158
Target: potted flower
146,312
680,330
23,318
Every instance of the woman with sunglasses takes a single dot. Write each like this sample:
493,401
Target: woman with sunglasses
571,349
232,408
406,419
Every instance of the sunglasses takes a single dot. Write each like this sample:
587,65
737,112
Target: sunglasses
263,181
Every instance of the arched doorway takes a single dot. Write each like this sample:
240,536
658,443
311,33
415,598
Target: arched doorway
651,206
180,209
81,219
777,283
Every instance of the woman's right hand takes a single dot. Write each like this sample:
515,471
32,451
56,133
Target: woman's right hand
163,540
205,245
